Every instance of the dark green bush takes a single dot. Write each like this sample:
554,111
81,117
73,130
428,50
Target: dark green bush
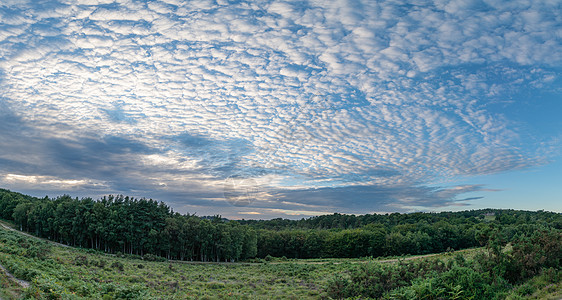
81,260
117,265
101,263
152,257
339,287
112,291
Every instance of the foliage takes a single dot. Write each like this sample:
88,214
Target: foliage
522,256
148,229
70,273
152,257
490,274
461,275
129,226
349,236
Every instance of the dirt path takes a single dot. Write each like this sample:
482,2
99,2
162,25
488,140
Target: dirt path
304,262
23,283
392,260
407,258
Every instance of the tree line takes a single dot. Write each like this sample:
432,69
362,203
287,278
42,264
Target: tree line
120,224
375,235
139,226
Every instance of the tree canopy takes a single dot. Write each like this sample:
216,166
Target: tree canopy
144,226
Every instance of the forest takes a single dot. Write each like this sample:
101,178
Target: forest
121,224
127,248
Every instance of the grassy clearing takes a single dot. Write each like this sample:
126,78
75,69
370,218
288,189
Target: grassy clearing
68,273
61,272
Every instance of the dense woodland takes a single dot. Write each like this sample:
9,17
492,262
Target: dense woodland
130,226
375,235
120,224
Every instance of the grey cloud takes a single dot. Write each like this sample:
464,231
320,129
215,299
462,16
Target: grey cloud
361,199
28,150
220,157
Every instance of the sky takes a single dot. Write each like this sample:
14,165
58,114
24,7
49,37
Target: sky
270,108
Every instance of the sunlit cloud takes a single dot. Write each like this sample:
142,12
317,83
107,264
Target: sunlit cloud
47,182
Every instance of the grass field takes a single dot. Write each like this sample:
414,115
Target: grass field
56,272
68,272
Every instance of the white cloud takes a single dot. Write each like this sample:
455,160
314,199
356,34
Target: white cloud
404,98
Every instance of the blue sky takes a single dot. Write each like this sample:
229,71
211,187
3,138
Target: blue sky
262,109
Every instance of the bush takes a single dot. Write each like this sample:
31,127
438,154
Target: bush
118,265
339,287
370,280
81,260
152,257
424,279
101,263
111,291
526,289
526,258
132,256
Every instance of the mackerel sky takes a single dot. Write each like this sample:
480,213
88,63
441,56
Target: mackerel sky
262,109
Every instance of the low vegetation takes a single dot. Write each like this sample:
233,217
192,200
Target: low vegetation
493,272
498,272
68,273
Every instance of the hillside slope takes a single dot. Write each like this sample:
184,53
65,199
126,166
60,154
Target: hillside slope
56,272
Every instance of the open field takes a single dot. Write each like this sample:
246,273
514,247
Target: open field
71,272
56,272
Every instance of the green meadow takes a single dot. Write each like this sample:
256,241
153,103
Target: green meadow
60,272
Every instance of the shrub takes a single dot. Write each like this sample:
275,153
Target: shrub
526,289
527,257
111,291
132,256
101,263
370,280
81,260
118,265
339,287
152,257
